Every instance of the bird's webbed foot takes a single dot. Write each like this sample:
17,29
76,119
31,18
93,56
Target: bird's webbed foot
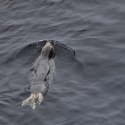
31,100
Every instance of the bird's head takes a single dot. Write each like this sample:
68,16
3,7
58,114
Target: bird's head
48,51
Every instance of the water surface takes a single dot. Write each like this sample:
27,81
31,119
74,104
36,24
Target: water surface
95,30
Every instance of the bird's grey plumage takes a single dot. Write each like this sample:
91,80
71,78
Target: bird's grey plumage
42,75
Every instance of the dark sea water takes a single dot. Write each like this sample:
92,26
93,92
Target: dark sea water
95,29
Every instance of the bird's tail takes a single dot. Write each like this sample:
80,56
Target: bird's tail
31,100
